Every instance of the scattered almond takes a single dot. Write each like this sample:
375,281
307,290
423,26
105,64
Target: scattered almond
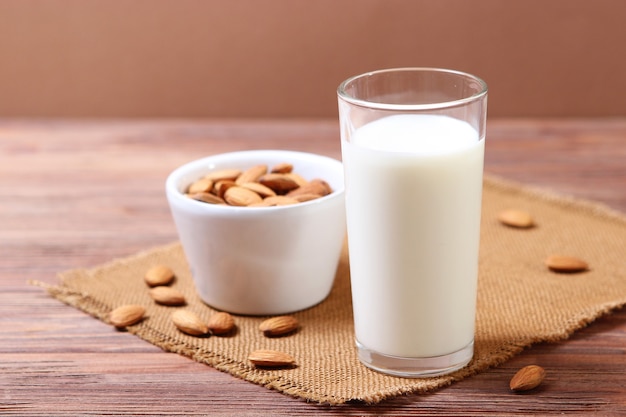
126,315
560,263
167,296
271,358
239,196
516,218
189,322
279,326
159,275
527,378
221,323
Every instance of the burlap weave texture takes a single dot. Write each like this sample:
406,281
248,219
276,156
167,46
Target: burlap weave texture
520,302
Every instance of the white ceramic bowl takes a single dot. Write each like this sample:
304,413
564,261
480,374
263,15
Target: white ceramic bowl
262,260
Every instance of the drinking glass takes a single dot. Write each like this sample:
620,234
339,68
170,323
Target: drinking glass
412,143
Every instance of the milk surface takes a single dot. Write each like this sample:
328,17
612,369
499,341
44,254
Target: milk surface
413,199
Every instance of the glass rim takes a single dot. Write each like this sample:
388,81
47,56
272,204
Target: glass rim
345,96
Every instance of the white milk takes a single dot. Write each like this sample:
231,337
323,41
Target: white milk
413,199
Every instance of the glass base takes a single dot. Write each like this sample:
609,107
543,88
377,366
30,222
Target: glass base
415,367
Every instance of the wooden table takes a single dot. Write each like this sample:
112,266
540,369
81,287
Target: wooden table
80,193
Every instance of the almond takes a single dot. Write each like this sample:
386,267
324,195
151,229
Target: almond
279,326
280,183
270,358
207,198
189,322
316,186
278,200
221,323
527,378
126,315
560,263
282,168
239,196
159,275
167,296
251,174
203,185
281,180
259,188
298,179
516,218
220,187
301,198
223,174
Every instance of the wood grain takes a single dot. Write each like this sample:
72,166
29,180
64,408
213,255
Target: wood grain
79,193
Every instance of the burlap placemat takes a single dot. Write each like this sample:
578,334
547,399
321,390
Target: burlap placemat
520,302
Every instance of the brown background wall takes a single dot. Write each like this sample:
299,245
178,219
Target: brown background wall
277,58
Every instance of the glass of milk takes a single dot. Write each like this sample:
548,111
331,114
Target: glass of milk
413,142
